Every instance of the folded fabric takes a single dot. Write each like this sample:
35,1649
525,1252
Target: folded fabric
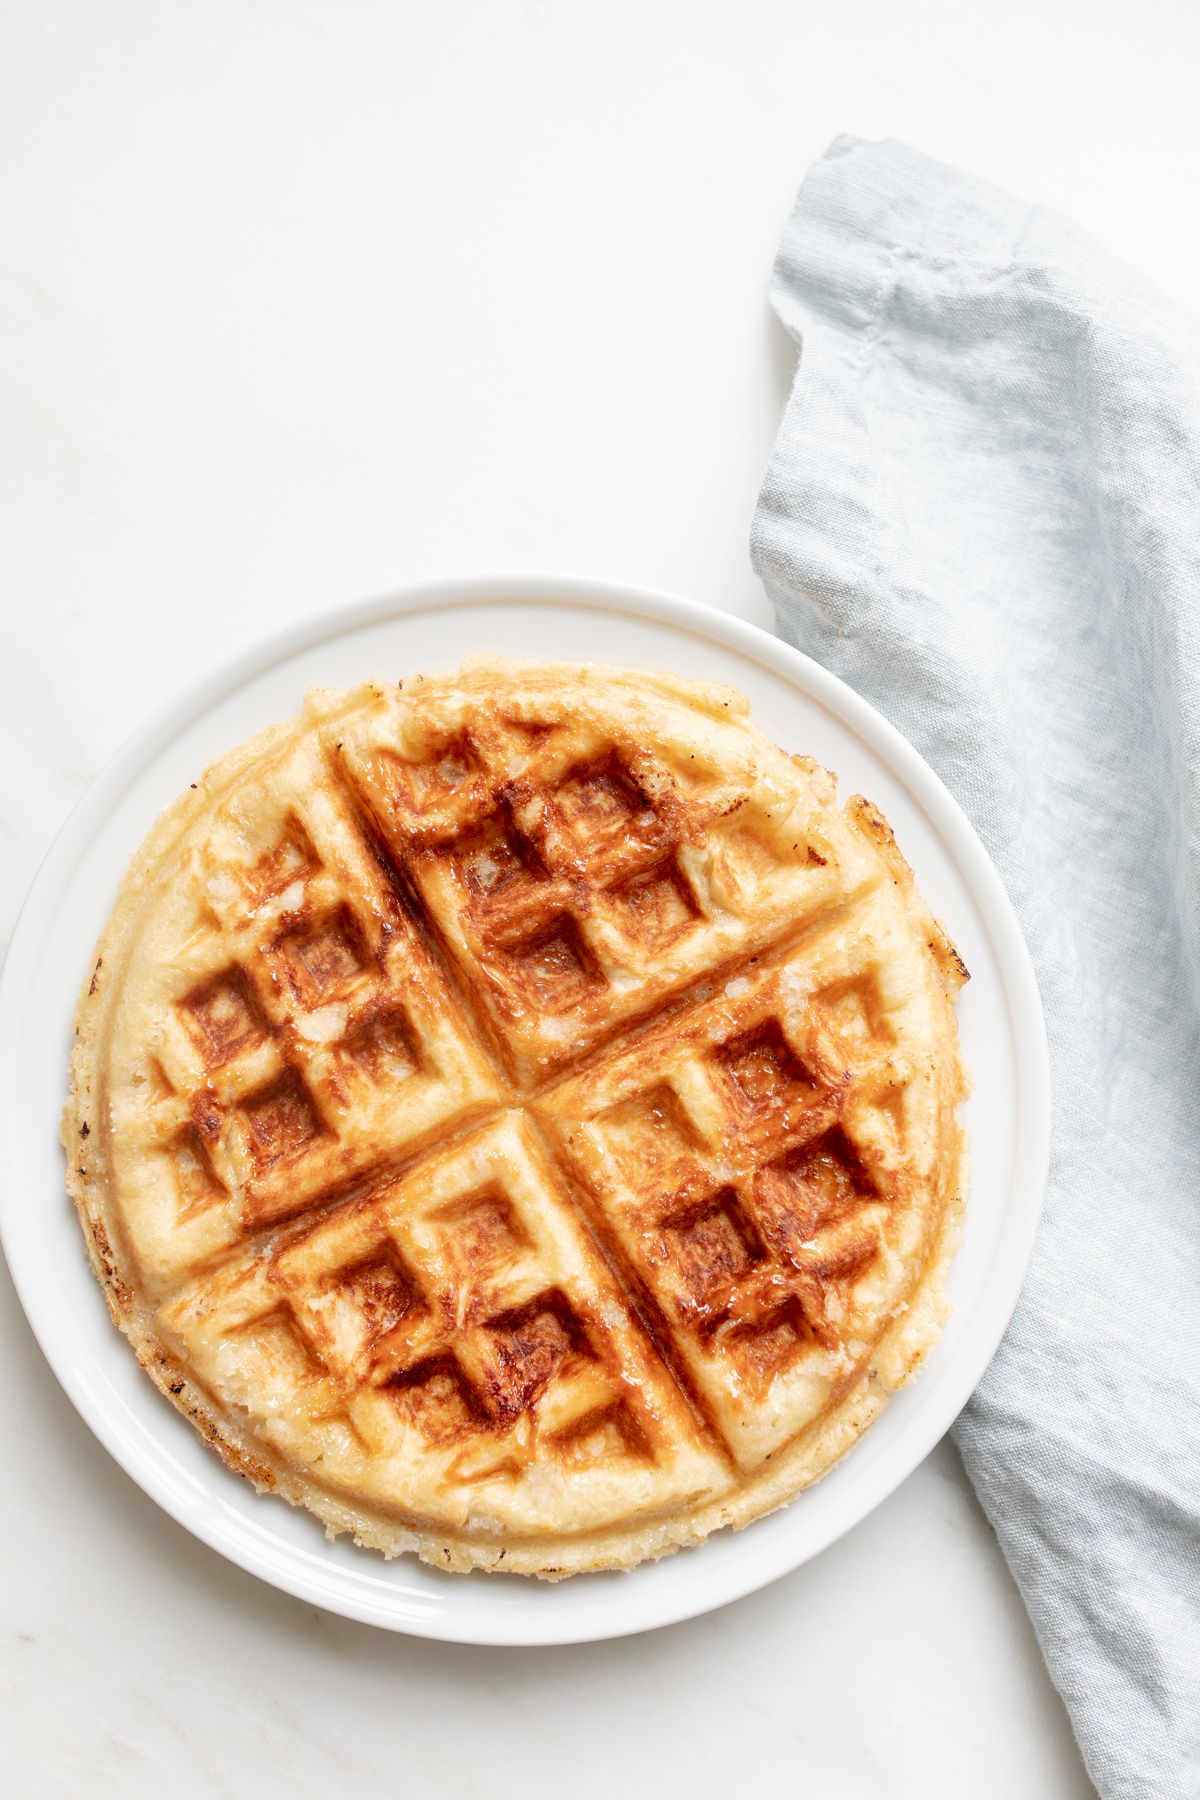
983,511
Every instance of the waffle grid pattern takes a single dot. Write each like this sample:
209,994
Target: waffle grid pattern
437,939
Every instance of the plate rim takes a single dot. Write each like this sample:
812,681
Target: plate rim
1019,984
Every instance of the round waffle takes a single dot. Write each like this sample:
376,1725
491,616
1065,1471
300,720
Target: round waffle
514,1115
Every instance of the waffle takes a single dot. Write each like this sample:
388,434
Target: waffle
514,1114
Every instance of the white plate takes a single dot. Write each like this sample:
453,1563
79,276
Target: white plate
800,706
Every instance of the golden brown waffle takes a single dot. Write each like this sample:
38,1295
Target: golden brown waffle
514,1114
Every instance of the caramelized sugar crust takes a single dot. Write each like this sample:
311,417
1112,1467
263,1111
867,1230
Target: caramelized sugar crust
514,1114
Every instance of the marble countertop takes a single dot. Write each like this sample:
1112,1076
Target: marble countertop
298,302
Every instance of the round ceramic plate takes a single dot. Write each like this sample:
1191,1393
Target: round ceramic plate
798,705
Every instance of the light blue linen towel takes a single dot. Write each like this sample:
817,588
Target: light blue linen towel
983,512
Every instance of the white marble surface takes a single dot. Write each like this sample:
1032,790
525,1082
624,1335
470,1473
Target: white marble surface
298,301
